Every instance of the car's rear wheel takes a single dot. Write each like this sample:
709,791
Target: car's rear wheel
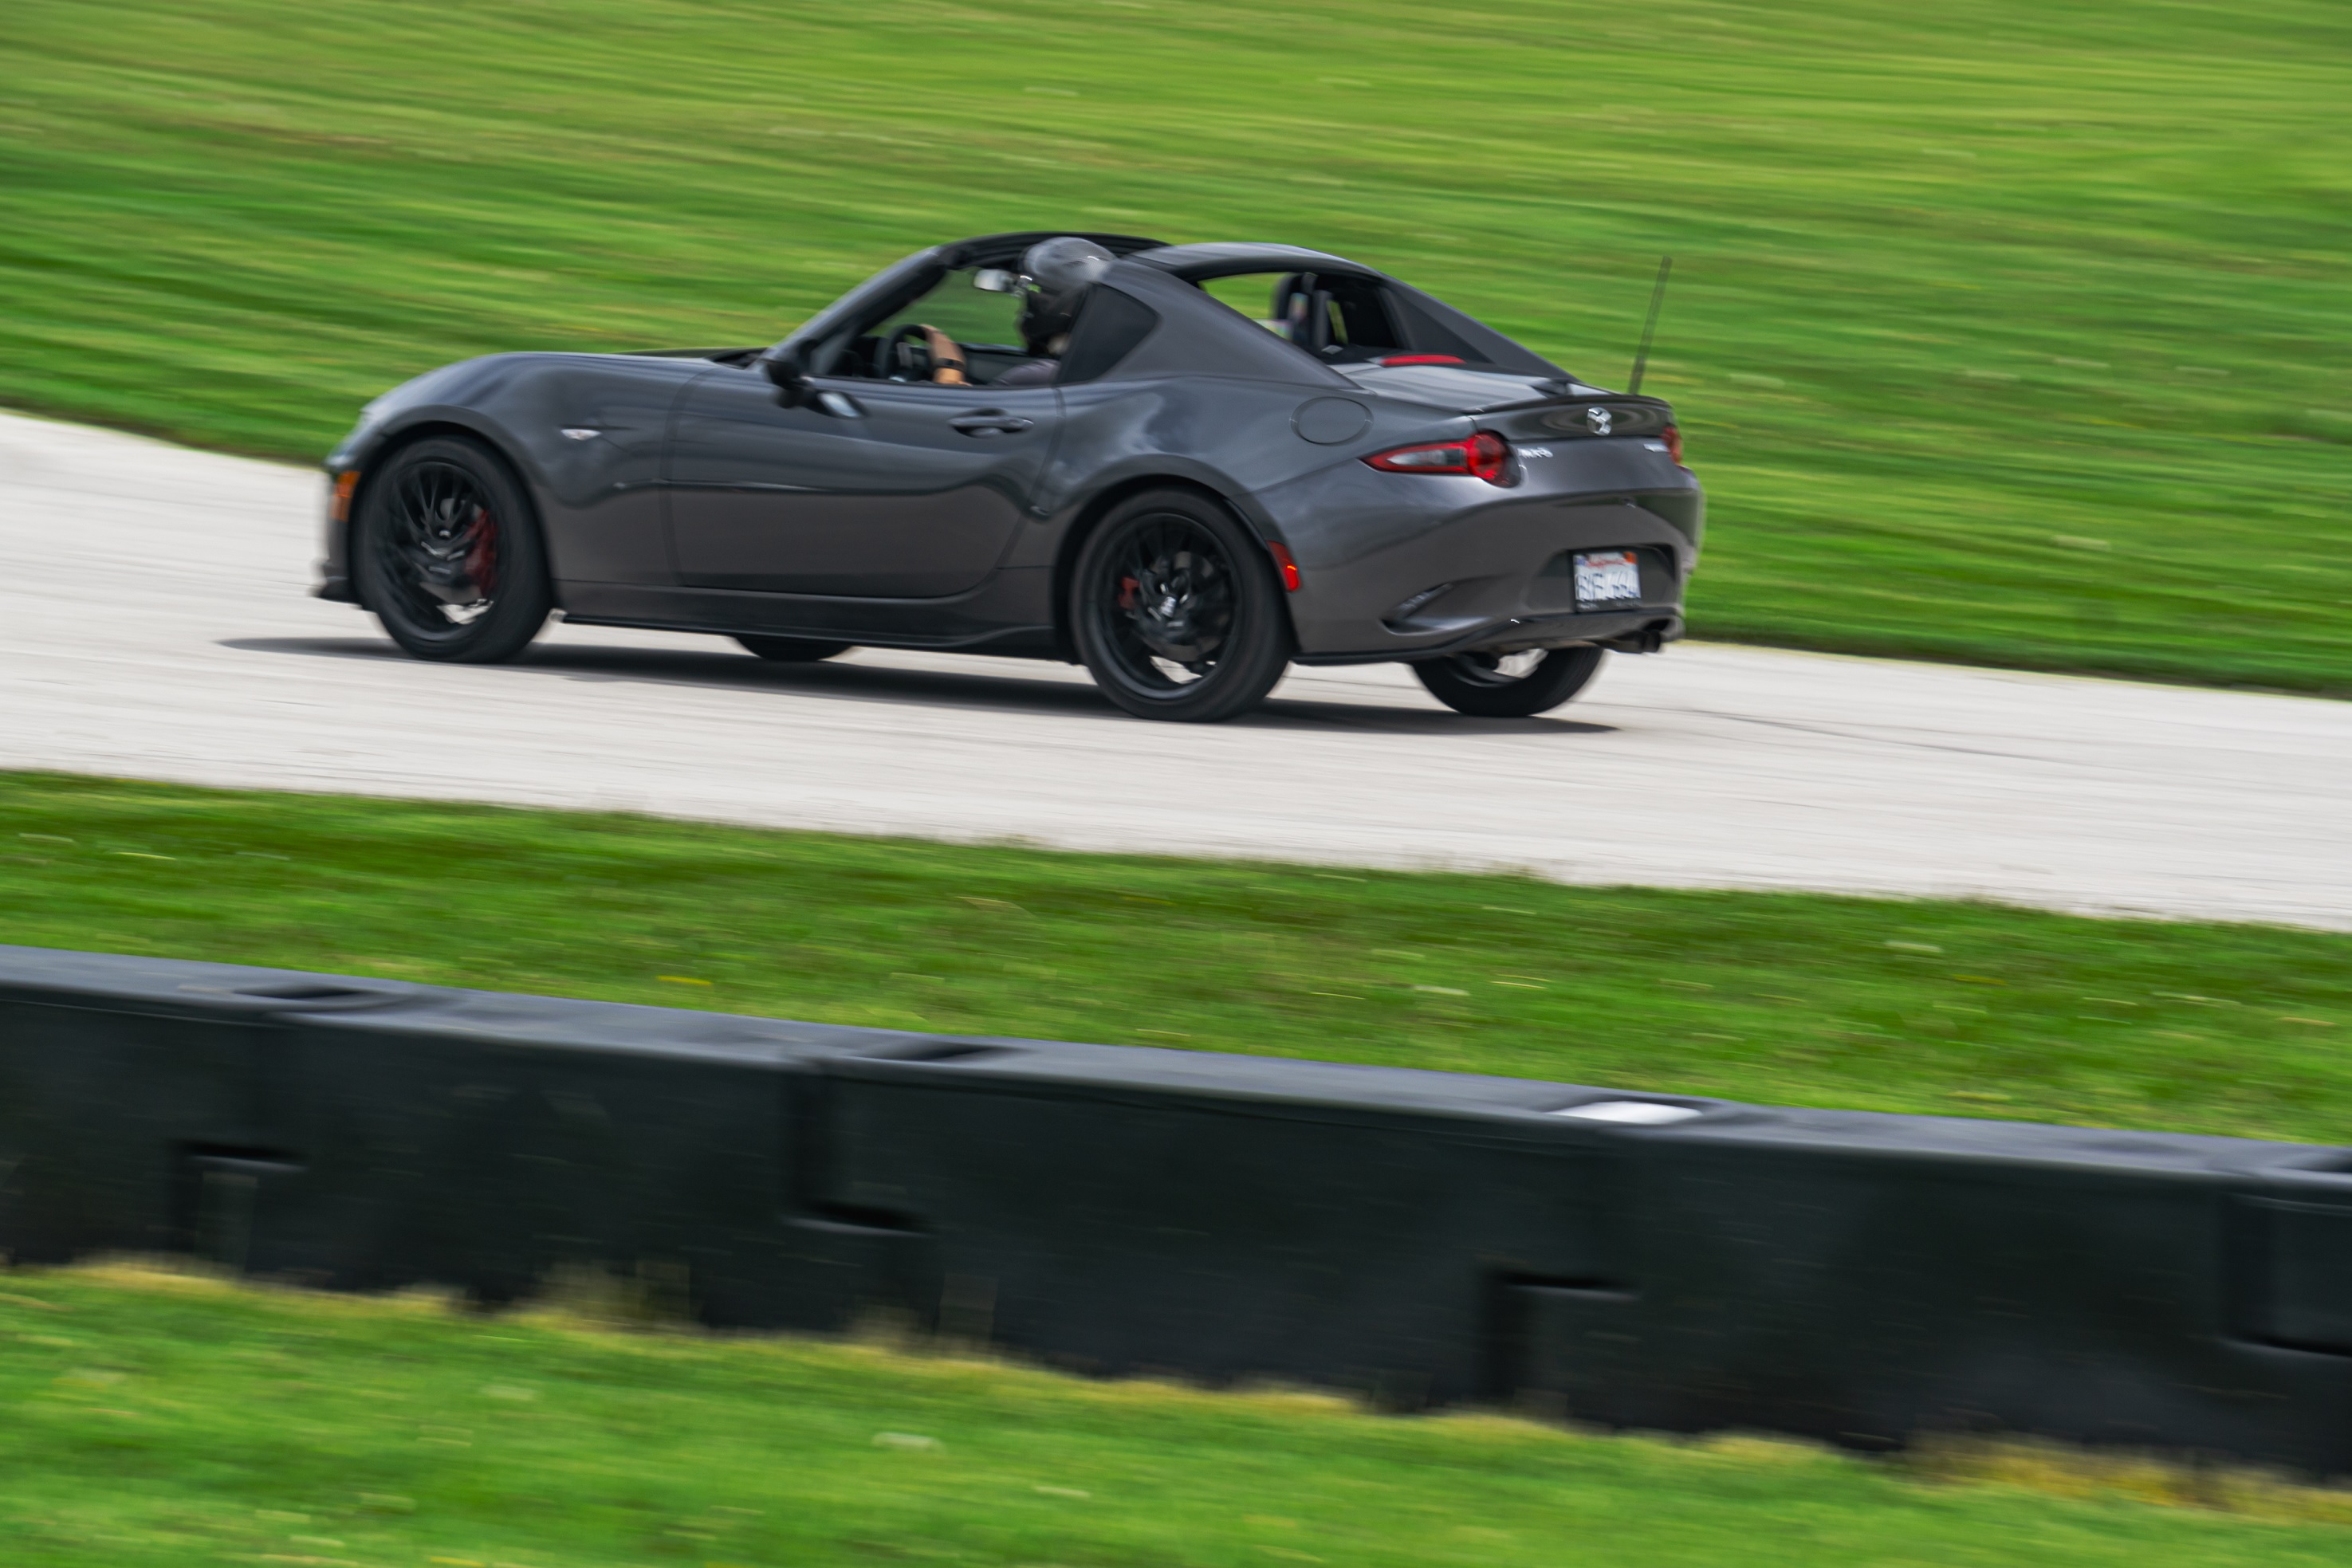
793,650
1509,686
447,555
1176,611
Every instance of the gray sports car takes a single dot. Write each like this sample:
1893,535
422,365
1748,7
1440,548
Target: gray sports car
1185,466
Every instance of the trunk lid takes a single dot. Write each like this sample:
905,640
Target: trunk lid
1519,407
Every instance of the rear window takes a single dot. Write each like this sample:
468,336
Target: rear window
1339,319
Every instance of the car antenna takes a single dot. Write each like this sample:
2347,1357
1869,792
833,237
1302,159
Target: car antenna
1650,326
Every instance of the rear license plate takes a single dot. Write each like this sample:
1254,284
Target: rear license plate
1608,577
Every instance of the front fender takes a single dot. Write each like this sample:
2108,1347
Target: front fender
583,431
464,396
382,427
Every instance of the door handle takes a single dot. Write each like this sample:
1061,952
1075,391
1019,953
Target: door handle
989,421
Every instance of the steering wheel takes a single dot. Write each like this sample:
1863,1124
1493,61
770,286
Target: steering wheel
939,358
905,355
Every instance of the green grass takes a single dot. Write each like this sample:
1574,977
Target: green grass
155,1419
1964,1008
2003,333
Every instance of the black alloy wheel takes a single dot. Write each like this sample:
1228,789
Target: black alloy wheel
1176,611
1509,686
791,650
446,553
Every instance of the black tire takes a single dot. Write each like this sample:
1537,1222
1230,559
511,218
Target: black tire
446,553
1486,686
1176,611
793,650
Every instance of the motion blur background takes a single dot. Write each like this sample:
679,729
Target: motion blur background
2002,333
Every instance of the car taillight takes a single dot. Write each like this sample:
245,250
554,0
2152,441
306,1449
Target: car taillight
1485,455
1421,360
1674,440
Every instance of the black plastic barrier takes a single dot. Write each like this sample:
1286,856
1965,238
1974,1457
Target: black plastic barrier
1637,1260
366,1134
1123,1211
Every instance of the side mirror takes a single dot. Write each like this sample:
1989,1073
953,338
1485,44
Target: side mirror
791,377
995,280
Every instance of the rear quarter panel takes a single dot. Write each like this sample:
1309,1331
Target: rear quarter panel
1364,539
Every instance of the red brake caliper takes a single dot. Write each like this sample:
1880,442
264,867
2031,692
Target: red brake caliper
482,557
1126,586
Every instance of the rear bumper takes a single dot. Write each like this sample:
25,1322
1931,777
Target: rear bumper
1425,568
1642,630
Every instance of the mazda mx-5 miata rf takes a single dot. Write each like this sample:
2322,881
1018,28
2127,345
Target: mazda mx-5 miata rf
1185,466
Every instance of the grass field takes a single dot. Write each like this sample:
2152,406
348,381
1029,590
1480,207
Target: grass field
156,1419
2002,332
1970,1009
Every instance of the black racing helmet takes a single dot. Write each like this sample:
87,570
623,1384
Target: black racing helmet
1056,274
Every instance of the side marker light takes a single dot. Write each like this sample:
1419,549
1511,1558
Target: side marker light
1674,440
346,482
1285,564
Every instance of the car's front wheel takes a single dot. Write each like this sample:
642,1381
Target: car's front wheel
1176,611
447,555
1509,686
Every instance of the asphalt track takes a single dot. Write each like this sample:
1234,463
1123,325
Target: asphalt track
154,624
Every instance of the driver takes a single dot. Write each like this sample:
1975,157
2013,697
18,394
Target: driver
948,367
1054,276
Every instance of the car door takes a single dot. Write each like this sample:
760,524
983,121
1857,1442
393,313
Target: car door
870,490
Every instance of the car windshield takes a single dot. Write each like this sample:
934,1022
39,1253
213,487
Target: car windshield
973,306
972,316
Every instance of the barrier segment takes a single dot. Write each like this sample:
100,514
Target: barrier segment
1429,1238
491,1142
1636,1260
1865,1277
1119,1209
362,1135
135,1103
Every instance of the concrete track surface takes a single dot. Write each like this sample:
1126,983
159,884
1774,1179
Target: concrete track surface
154,624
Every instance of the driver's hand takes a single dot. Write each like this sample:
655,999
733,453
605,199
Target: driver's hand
946,359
